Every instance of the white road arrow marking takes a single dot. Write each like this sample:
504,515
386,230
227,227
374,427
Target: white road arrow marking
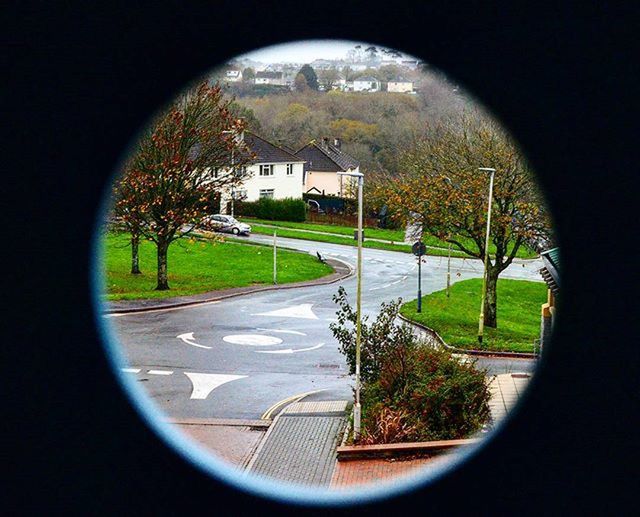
283,331
205,383
297,311
160,372
188,339
289,350
131,370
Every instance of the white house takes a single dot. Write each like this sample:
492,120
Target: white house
267,77
233,76
366,84
400,85
276,173
323,162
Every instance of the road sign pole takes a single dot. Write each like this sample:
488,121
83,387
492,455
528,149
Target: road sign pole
275,259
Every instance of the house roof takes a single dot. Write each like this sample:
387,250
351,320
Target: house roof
267,152
400,80
550,271
367,78
326,158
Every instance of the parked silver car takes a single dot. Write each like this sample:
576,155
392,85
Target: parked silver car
226,224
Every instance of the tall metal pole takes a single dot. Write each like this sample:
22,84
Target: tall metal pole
486,257
233,183
275,258
419,282
357,409
448,270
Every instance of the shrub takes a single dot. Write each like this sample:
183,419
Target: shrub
288,209
410,391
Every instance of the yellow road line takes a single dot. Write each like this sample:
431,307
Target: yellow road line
294,398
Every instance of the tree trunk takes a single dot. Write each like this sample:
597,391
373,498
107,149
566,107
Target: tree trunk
135,263
163,280
491,300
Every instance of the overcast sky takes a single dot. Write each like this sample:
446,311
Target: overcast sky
303,51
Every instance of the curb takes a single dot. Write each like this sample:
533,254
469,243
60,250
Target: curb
352,452
240,291
480,353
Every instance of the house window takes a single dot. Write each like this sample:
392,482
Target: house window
267,192
289,169
216,172
266,170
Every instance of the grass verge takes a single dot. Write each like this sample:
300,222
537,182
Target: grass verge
456,318
347,241
197,266
395,236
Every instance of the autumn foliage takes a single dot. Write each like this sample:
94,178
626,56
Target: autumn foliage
442,188
167,184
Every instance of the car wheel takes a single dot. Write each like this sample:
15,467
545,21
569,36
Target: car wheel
235,231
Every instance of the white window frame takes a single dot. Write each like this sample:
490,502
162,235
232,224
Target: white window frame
267,193
266,167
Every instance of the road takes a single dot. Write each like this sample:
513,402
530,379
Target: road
239,357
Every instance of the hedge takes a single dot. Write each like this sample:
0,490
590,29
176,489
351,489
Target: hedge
287,209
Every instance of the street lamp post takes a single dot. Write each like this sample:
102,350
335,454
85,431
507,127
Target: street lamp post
357,410
486,255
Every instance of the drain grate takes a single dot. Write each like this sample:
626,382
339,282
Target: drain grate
328,366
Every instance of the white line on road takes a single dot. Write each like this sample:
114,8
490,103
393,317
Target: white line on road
282,331
204,383
188,338
131,370
390,284
290,350
252,340
160,372
166,309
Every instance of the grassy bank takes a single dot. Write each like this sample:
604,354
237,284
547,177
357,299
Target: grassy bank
200,266
344,235
456,318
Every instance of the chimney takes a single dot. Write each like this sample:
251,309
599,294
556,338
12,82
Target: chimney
325,142
336,142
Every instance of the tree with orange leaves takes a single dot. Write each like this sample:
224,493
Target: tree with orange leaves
441,188
168,183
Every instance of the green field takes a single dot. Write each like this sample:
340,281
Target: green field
197,266
344,235
456,318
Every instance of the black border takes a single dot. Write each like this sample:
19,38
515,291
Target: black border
79,81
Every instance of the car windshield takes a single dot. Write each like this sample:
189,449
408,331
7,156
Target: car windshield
231,219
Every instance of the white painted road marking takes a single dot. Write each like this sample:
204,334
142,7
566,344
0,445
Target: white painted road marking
297,311
188,339
252,340
160,372
205,383
131,370
283,331
390,284
289,350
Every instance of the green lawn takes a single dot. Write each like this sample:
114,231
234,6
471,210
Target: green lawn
200,266
396,236
456,318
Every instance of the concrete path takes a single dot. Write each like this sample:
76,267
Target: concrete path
300,446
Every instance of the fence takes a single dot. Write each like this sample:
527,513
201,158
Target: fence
341,219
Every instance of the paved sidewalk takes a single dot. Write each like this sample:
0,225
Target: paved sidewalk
506,389
300,446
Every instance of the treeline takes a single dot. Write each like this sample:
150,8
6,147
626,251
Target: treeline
375,128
